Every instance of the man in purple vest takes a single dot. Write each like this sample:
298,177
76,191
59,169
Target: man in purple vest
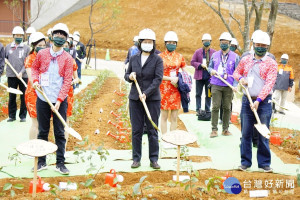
200,61
223,63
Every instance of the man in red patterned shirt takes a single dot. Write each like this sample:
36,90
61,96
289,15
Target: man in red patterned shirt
52,71
259,73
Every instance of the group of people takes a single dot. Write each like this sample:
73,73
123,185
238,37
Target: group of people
158,75
53,67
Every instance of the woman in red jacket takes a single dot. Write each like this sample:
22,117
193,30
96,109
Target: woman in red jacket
52,71
37,42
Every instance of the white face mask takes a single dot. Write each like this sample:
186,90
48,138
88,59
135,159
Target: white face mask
146,47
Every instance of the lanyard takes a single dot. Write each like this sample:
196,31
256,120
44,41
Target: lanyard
224,59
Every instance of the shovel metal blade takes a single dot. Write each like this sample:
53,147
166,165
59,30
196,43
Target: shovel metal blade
73,133
263,130
14,91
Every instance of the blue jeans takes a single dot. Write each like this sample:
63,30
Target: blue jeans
247,122
78,71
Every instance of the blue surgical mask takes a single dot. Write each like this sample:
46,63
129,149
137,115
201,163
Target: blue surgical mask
260,51
18,40
233,48
171,47
37,49
283,61
67,49
59,42
224,47
206,44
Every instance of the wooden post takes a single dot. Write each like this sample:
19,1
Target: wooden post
34,177
178,163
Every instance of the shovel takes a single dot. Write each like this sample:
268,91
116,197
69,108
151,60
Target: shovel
261,128
224,81
11,90
145,105
13,69
67,128
276,103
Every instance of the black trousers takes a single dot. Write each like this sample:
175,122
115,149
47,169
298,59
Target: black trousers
14,82
137,118
199,88
44,112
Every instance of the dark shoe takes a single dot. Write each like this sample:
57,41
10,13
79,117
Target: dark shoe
198,113
154,165
243,168
226,133
40,167
23,120
281,112
267,169
135,164
11,120
62,169
213,134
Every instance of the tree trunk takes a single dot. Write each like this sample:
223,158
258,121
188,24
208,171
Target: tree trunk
245,34
258,13
272,20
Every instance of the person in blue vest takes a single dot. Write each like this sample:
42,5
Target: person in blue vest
223,63
200,62
133,50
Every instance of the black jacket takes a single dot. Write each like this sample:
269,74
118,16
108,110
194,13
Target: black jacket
183,90
80,49
149,77
2,56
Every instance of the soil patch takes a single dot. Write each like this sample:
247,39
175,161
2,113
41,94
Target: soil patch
160,186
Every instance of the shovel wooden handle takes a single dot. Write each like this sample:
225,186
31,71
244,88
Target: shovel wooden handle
251,103
226,82
144,104
52,107
13,69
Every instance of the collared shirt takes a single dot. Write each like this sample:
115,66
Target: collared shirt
16,55
267,71
55,80
257,83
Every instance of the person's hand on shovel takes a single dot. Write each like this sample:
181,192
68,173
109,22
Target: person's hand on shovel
57,105
132,76
19,75
213,72
243,82
255,105
143,97
36,85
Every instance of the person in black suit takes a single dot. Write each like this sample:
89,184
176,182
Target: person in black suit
147,68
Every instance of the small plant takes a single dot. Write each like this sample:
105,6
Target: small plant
138,189
54,190
10,187
117,191
189,184
89,185
15,157
214,183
